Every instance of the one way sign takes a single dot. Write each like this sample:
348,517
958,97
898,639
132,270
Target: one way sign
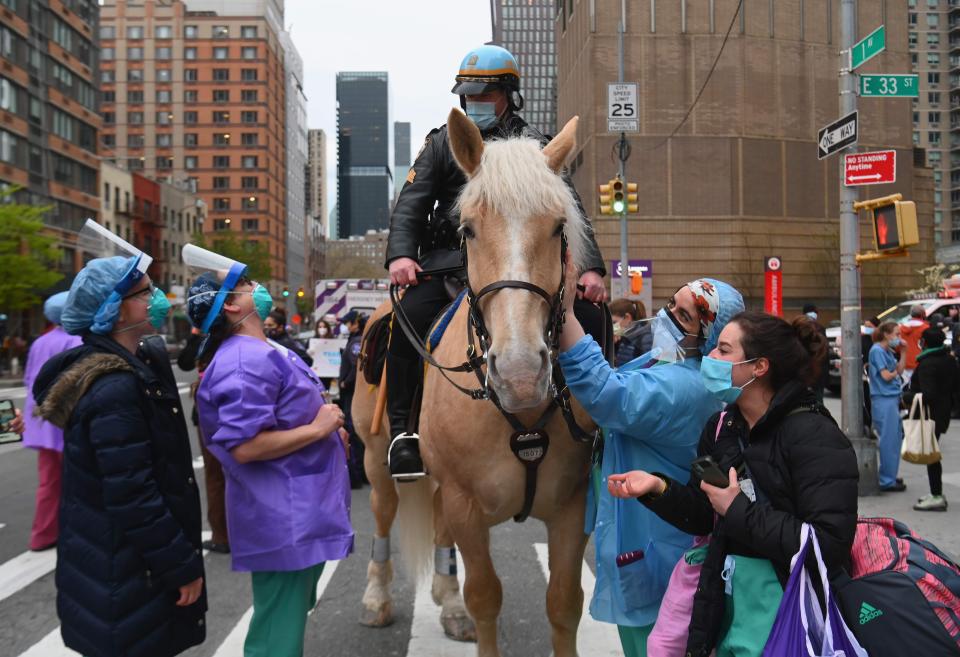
837,136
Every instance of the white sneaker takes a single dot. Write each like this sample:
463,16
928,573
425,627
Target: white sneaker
931,503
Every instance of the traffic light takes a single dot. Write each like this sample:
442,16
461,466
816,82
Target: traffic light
619,199
633,205
300,293
286,292
606,197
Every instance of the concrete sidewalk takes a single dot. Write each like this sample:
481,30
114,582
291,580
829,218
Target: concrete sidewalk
940,527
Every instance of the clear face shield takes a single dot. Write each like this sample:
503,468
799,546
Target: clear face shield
671,342
205,305
98,242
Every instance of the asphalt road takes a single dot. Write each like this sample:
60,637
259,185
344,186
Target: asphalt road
30,625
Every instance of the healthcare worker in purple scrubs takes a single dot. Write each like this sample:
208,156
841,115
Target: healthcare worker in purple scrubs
263,416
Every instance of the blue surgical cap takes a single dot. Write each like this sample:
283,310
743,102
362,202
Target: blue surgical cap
53,306
93,304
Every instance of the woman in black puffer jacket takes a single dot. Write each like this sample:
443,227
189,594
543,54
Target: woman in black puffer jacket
798,461
129,563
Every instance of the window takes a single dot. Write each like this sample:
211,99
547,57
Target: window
134,141
134,54
190,96
250,182
108,141
135,32
933,20
189,53
250,161
248,32
190,117
164,162
248,95
933,138
248,74
163,32
221,74
163,52
164,141
221,224
221,117
164,118
135,97
221,32
191,32
933,78
221,53
221,95
190,139
248,52
911,19
221,139
164,75
933,38
933,3
190,162
106,54
248,117
933,117
135,164
221,161
108,32
252,225
221,182
109,118
250,203
109,96
8,147
62,125
134,75
933,98
249,139
108,76
135,118
190,75
933,59
221,203
934,157
8,95
164,96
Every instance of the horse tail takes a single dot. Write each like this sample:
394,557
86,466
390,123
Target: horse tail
416,529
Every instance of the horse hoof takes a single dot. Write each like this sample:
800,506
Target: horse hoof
381,617
459,627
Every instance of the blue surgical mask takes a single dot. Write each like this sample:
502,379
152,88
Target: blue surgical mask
894,343
483,114
812,315
868,330
262,301
158,308
717,378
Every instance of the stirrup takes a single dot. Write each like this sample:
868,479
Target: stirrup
418,472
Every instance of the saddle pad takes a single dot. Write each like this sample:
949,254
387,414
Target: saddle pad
440,327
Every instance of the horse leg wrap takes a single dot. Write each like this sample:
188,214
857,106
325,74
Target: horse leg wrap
445,560
380,551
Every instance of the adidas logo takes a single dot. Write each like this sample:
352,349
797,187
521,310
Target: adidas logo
868,613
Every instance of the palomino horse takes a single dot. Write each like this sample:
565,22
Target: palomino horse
518,219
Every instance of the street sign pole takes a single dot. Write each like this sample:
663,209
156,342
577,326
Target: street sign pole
624,256
851,365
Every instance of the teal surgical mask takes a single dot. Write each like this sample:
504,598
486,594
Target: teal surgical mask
717,378
483,114
158,308
262,301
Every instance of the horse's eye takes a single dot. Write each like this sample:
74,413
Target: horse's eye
559,231
467,232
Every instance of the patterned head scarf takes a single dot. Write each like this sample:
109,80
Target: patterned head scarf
706,299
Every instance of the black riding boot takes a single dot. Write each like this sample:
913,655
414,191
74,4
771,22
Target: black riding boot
403,377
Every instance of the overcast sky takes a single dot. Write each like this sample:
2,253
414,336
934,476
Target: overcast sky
418,42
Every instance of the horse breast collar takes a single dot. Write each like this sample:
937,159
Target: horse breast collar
529,444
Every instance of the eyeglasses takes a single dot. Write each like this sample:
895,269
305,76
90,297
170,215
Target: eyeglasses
140,293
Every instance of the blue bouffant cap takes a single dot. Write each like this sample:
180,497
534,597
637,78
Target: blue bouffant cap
53,307
94,302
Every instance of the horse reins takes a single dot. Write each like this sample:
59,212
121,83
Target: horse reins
529,445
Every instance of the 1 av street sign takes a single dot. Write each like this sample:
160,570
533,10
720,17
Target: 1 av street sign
622,113
868,48
837,136
876,168
890,85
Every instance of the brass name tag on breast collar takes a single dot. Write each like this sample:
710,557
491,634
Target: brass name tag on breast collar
530,446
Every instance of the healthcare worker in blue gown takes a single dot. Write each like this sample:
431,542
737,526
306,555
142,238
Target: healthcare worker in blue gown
263,416
652,411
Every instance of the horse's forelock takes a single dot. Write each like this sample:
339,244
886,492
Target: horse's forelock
514,181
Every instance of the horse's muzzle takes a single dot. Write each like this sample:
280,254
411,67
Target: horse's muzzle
520,377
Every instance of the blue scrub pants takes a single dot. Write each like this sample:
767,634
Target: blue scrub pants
886,420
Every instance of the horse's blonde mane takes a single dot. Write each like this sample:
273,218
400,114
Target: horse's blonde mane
514,181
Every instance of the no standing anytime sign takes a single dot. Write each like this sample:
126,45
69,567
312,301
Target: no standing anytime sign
875,168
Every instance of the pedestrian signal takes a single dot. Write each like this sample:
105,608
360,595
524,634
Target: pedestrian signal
894,222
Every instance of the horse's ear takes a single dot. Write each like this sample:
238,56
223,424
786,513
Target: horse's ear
561,146
465,142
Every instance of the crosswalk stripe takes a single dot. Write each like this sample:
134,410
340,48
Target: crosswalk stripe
233,644
426,634
593,637
24,569
52,644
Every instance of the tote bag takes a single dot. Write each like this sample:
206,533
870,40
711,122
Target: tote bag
919,435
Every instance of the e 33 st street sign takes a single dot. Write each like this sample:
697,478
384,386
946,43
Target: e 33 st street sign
889,85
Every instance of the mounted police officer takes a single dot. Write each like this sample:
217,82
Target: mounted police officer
423,235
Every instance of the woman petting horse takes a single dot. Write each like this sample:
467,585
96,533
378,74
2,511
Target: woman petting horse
652,411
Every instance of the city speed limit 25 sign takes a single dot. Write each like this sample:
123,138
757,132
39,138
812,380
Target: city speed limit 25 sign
623,114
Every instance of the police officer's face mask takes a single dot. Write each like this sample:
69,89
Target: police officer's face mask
483,114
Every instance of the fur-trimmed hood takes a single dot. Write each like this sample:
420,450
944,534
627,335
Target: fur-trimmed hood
61,397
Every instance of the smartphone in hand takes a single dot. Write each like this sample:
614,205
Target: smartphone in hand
7,415
707,470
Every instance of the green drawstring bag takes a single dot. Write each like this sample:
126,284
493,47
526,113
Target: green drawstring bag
752,600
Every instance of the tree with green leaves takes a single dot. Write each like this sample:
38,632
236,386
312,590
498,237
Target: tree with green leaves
252,253
28,254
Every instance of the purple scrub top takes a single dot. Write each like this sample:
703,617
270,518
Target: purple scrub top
37,433
288,513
